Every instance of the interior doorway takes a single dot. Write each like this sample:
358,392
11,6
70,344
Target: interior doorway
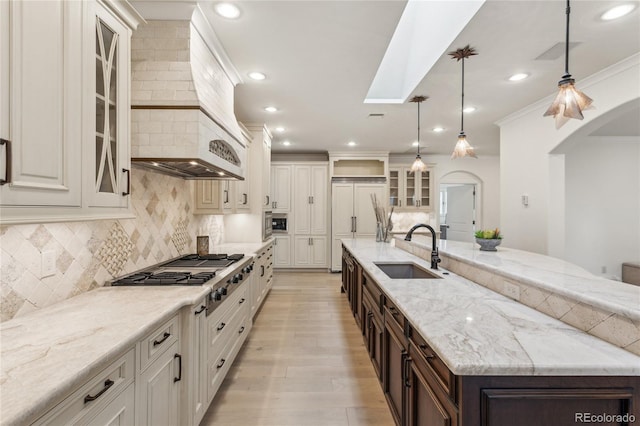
457,211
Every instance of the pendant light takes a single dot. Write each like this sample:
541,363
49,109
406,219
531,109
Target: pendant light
463,149
418,165
570,102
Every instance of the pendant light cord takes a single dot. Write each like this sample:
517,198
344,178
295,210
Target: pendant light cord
462,107
566,49
419,128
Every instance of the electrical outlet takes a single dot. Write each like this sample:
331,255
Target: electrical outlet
603,269
48,263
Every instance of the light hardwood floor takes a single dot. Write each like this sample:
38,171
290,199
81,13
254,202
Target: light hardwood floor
304,363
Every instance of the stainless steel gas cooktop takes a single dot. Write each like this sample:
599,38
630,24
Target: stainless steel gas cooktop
191,269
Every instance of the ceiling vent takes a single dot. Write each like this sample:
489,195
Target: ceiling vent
556,51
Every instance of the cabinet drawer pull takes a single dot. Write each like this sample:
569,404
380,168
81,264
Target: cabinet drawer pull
201,310
241,301
221,363
165,336
221,326
7,157
107,384
246,199
393,311
406,370
424,349
241,330
128,191
177,379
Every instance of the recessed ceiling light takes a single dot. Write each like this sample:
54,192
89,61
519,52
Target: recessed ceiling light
286,143
469,109
416,143
438,129
255,75
518,77
227,10
271,109
351,143
279,129
617,12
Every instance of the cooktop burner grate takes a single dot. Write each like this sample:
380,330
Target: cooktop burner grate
165,278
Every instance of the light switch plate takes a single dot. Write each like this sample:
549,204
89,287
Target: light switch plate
48,263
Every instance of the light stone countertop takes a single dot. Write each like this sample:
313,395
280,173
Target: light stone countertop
479,332
48,353
546,272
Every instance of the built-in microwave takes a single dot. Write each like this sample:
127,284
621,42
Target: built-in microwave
279,224
267,223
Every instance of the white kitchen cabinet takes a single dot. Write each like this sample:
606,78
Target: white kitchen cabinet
282,251
108,396
409,190
281,187
68,127
310,196
352,215
158,384
197,367
228,327
159,390
266,168
42,111
107,159
213,197
242,189
310,252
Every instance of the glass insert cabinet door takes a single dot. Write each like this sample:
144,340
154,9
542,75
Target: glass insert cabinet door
424,200
394,188
410,191
107,45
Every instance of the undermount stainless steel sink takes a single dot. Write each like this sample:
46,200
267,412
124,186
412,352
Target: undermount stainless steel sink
405,270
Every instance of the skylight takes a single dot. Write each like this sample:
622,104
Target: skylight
425,31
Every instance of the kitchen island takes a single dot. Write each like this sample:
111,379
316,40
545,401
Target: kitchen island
468,353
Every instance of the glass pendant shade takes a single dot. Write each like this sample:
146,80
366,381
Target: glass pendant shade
569,103
418,165
462,148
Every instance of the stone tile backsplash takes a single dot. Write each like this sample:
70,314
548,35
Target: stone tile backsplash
89,254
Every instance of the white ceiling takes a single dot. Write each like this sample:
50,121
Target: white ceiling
320,58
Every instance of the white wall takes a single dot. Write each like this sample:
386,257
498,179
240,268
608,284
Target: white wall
603,204
486,168
526,166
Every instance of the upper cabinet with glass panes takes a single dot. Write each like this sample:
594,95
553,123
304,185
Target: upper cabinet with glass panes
68,130
409,190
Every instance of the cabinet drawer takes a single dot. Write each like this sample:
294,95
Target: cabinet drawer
439,370
157,342
369,286
392,313
95,395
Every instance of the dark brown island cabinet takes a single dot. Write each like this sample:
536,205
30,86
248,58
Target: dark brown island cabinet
422,391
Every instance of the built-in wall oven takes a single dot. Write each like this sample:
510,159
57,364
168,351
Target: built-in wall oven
267,225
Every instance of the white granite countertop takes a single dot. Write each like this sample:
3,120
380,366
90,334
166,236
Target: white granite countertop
479,332
46,354
547,272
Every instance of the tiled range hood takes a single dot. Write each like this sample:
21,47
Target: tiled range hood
183,123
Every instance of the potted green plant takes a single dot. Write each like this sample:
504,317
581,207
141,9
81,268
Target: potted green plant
488,239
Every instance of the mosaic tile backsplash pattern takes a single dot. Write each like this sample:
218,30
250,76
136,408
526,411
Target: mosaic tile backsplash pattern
89,254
